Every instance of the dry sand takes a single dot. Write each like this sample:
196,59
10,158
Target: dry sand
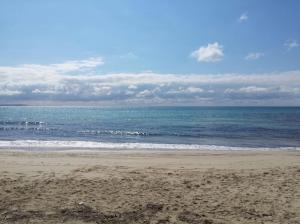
165,187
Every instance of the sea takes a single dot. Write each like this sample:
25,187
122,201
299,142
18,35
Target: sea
149,128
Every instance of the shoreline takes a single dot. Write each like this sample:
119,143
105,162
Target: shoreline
87,150
36,145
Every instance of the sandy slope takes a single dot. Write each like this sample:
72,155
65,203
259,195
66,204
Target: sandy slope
173,187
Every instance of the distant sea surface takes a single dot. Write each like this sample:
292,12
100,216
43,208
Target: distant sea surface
150,128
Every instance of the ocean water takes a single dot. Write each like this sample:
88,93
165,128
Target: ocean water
150,128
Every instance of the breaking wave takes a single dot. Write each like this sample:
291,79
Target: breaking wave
70,145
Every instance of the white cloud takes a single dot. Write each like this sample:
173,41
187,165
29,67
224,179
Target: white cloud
259,95
254,56
145,93
48,91
54,69
7,92
194,90
210,53
255,89
132,87
37,84
243,17
290,44
186,90
99,90
248,89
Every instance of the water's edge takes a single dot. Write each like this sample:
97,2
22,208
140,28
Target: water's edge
37,145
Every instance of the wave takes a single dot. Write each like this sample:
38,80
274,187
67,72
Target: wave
27,129
23,123
113,132
137,133
69,145
23,126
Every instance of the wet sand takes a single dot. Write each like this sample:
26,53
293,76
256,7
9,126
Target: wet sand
143,187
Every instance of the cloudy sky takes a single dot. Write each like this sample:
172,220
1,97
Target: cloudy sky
158,52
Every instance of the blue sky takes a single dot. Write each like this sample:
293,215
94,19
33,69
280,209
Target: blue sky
154,38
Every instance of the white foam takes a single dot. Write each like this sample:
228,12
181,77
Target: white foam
71,145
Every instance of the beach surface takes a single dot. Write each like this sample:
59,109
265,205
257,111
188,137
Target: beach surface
150,187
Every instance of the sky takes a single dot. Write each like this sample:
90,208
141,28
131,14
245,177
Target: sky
158,52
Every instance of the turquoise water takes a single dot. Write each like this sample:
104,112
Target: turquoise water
251,127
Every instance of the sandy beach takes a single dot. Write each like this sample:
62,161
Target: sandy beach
143,187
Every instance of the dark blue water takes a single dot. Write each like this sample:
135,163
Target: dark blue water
270,127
